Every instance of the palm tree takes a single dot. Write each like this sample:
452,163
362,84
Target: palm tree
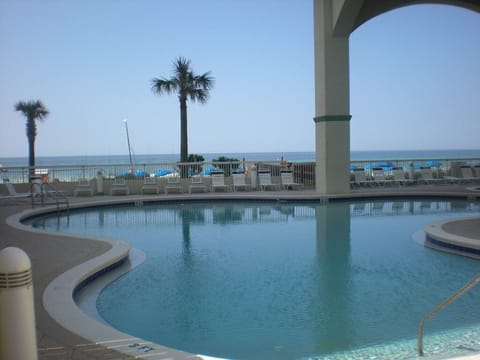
187,86
33,110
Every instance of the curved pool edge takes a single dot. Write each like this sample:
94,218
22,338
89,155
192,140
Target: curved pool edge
86,296
58,296
119,340
442,235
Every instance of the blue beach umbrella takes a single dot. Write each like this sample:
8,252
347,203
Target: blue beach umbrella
380,164
162,173
209,170
434,163
140,173
352,167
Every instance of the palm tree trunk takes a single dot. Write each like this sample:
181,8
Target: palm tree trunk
183,131
31,155
31,134
183,136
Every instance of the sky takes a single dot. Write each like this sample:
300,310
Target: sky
414,76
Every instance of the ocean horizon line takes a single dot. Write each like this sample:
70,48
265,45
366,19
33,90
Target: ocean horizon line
255,152
248,152
293,156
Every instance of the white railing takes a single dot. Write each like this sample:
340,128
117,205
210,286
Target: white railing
441,168
304,172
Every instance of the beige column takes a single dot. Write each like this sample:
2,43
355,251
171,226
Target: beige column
332,108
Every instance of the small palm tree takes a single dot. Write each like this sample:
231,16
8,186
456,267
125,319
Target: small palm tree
33,110
187,86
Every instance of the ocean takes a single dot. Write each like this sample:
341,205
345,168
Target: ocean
256,156
306,156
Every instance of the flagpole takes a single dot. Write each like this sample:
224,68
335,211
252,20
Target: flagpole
129,150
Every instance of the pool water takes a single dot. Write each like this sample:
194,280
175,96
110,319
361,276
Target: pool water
260,280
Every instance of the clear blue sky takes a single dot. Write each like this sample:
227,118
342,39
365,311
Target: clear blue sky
415,78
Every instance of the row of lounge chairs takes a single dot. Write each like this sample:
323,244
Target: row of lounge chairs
397,176
379,178
197,184
37,189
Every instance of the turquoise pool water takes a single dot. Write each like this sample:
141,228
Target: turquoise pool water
259,280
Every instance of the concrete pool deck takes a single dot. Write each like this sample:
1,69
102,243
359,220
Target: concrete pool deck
53,255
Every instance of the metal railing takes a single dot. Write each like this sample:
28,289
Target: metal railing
468,286
304,172
45,194
441,168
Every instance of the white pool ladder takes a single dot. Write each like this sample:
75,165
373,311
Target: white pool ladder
455,296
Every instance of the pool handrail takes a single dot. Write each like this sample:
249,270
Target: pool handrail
451,299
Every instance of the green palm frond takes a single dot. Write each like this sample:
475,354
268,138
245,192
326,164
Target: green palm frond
206,81
185,83
34,110
162,85
200,95
181,68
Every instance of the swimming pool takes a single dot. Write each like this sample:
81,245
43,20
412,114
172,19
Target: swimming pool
258,280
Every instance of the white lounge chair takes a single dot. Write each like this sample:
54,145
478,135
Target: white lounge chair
240,183
265,180
83,186
476,171
196,183
119,187
426,173
399,176
12,193
173,183
379,177
467,173
360,178
218,181
150,186
286,177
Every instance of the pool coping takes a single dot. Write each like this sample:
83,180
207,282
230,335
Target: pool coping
58,295
437,237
